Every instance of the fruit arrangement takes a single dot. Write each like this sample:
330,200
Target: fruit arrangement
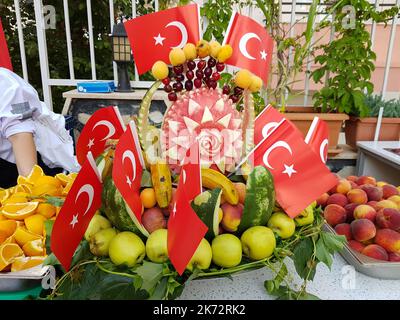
24,209
367,213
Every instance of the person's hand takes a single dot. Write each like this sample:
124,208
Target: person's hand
24,152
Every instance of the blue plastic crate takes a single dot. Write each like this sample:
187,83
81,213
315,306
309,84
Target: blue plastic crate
96,87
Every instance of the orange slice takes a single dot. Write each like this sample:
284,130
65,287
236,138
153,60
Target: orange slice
8,253
35,174
63,178
23,236
35,224
19,211
34,248
72,176
48,180
2,218
67,188
8,227
46,190
46,210
4,195
23,263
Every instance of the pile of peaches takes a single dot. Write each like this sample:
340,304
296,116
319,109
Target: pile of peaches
367,213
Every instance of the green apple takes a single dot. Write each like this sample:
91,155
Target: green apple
306,217
100,242
97,223
127,249
226,250
156,246
282,225
202,256
258,242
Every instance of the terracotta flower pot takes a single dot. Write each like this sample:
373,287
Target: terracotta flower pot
363,129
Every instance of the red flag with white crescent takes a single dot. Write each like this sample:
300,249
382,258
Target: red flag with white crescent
5,59
152,36
318,138
128,168
104,124
185,229
252,45
294,167
78,209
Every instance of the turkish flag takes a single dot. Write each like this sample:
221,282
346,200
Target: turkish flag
5,60
185,229
153,35
78,209
128,168
104,124
266,121
298,173
317,138
252,45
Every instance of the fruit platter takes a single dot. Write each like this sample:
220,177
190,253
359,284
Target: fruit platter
367,213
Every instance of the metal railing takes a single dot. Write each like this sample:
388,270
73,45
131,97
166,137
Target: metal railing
291,11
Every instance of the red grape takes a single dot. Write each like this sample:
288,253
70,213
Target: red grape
188,85
167,88
197,83
216,76
201,64
166,80
220,66
190,74
212,62
191,65
172,96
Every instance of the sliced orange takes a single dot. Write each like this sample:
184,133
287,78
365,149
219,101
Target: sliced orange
3,236
23,236
23,263
63,178
72,176
19,211
48,180
22,180
67,188
8,253
35,224
33,248
10,239
2,218
15,200
4,195
35,174
8,227
46,210
46,190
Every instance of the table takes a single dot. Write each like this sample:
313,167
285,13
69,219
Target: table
375,160
342,282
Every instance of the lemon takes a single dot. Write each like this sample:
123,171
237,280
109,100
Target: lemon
190,51
160,70
177,56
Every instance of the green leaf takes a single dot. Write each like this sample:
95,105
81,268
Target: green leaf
48,227
333,242
151,273
302,256
55,201
160,290
323,254
51,260
82,253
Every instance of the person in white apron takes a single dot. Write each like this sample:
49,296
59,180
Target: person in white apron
29,132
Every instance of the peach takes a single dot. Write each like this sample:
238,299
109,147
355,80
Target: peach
386,204
337,198
241,189
321,201
373,193
363,229
396,200
364,211
342,187
366,180
381,183
153,219
394,257
373,204
355,245
344,229
232,216
389,190
357,196
350,211
352,178
388,218
354,185
334,214
376,252
388,239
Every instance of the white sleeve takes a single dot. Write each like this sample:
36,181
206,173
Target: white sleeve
11,126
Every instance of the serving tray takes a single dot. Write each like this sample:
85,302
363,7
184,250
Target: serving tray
22,280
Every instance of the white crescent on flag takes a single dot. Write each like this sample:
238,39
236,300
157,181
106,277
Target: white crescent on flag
110,127
243,44
129,154
89,190
277,144
268,127
322,147
184,176
183,31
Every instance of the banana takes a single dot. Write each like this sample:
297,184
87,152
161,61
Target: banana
246,170
212,179
161,178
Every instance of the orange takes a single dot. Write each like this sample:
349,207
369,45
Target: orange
148,198
15,200
23,263
63,178
46,210
35,224
2,218
35,174
23,236
48,180
4,195
58,209
8,227
46,190
19,211
33,248
25,187
9,240
22,180
72,176
8,253
67,188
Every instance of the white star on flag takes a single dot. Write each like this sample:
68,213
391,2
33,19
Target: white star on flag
289,170
74,220
91,143
129,182
159,40
263,55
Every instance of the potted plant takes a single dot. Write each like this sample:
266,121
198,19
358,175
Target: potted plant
363,129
